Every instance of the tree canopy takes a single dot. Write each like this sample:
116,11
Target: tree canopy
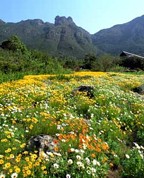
14,44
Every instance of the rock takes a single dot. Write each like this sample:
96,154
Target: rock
63,20
42,143
84,88
139,90
141,97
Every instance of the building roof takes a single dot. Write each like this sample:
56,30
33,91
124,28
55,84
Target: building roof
127,54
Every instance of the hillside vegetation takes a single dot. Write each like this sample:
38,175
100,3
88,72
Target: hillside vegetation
96,137
16,60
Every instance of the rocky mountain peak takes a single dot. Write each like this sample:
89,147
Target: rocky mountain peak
63,20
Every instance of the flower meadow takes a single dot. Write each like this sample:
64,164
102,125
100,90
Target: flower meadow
98,137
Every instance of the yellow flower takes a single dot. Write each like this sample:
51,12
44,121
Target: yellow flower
33,157
25,168
34,120
4,140
25,152
42,154
37,163
43,168
17,169
11,156
28,172
31,126
14,148
23,145
10,170
13,122
30,165
45,172
8,150
7,165
1,161
18,158
8,136
27,159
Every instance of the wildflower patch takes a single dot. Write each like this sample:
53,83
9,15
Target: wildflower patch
72,136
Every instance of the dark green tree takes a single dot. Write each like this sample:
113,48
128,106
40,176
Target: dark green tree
133,63
14,44
89,61
105,62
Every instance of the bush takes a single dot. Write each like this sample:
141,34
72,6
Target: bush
133,63
133,164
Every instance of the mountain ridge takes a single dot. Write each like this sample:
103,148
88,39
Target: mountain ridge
65,38
128,36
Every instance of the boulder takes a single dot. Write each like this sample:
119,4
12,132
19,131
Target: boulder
139,90
89,90
42,143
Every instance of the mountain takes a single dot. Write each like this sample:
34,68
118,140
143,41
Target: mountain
62,38
128,37
65,38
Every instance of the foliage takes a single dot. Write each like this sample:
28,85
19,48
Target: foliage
102,63
15,58
89,62
133,63
133,163
105,63
11,76
14,44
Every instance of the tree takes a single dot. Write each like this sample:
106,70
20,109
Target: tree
14,44
106,62
89,61
133,63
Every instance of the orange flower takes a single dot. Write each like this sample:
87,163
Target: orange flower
104,146
93,155
111,164
55,141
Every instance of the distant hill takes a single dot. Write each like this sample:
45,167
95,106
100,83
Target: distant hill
128,37
62,38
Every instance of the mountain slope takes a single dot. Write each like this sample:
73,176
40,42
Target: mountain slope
128,37
61,38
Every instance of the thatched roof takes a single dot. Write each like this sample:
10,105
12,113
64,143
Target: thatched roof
127,54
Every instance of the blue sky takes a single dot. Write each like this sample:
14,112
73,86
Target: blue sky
92,15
